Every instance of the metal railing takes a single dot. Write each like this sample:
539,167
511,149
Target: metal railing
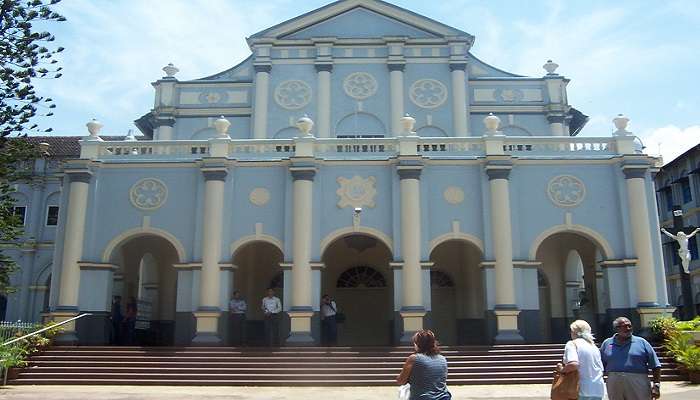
42,330
9,329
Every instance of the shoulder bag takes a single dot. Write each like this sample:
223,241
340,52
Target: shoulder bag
565,386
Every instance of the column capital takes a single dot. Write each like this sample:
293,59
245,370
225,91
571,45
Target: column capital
82,175
458,66
498,169
635,169
409,169
324,66
556,118
214,174
262,67
303,172
396,66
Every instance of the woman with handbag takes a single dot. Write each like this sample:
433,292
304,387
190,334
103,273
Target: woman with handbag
581,375
425,370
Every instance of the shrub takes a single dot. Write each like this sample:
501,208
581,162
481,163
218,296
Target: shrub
690,358
692,325
664,327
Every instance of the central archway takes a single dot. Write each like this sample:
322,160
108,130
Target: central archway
358,276
146,275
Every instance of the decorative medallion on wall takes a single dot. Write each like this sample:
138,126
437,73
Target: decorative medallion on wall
356,192
510,95
259,196
428,93
566,191
360,85
148,194
453,195
213,97
293,94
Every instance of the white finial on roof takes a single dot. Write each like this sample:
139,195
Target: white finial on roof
407,124
621,124
170,70
492,123
221,125
130,136
305,125
550,67
94,127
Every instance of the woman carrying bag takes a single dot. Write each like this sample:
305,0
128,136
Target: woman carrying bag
581,375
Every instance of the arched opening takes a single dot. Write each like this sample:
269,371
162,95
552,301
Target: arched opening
569,267
257,269
360,124
145,277
358,276
457,310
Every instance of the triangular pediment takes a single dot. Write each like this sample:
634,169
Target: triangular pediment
360,19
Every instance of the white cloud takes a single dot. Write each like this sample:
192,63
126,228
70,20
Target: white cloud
670,141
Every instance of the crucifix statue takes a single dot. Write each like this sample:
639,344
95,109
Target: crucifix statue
682,239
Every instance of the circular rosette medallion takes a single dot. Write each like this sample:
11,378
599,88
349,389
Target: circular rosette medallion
453,195
566,191
428,93
148,194
360,85
259,196
293,94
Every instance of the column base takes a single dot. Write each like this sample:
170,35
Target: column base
300,327
507,325
647,314
207,333
68,335
412,323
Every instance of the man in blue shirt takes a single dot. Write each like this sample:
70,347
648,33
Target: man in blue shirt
627,360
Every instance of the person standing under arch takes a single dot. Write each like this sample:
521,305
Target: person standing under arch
272,307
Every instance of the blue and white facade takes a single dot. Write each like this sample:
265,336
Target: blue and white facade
424,188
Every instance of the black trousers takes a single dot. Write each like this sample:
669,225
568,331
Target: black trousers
238,329
329,331
272,329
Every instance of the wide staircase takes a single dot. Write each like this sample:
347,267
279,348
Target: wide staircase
287,366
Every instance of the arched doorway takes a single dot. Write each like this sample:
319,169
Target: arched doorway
257,269
568,266
146,275
357,275
458,304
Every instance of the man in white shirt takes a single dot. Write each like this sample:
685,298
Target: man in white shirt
272,307
238,307
329,325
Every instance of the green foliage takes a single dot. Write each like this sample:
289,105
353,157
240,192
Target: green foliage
663,327
26,55
692,325
16,354
678,344
690,358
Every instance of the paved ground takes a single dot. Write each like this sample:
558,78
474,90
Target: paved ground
670,391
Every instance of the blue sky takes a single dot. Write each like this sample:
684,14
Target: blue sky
640,58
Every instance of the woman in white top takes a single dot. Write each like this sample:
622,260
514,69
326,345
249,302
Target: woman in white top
582,354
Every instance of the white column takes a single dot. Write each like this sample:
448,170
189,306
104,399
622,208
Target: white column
207,314
505,308
459,99
412,309
635,177
165,129
323,103
262,88
396,96
301,310
72,253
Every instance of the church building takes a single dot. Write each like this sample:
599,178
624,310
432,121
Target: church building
360,151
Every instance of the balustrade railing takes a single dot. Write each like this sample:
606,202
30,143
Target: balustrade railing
354,148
